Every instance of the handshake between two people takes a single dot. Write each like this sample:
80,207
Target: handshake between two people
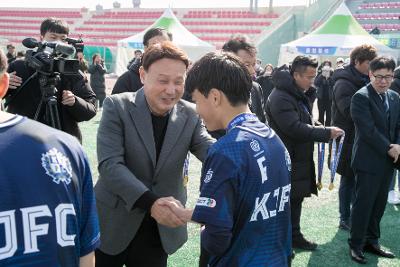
170,212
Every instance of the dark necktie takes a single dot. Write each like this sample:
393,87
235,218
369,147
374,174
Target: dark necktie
385,104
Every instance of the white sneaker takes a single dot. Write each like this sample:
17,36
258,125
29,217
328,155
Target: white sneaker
393,197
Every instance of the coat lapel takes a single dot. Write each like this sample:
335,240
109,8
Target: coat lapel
176,124
393,112
141,118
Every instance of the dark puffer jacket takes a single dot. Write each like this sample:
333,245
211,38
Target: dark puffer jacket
395,86
347,82
289,114
130,80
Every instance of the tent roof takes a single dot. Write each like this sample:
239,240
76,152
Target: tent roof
341,31
181,36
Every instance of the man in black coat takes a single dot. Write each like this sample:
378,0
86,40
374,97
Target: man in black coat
324,84
348,81
75,99
376,114
289,113
130,80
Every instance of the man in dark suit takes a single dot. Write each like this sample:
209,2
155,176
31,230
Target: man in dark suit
376,114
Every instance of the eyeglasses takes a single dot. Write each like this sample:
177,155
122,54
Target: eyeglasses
380,78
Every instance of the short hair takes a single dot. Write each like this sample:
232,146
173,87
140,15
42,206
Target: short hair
224,72
3,63
20,54
10,46
153,32
362,53
397,73
164,50
382,62
138,51
54,25
300,64
234,45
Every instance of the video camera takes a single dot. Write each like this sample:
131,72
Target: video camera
77,43
50,58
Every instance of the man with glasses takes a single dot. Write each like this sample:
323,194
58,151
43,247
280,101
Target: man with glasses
375,111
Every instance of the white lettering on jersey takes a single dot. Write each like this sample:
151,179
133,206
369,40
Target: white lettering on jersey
31,230
263,169
272,213
284,196
61,213
260,207
7,218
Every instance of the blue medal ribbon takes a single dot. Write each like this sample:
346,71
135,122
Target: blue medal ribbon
321,159
335,158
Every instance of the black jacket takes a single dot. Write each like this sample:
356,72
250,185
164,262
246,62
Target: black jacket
347,82
324,88
130,80
395,86
266,85
289,114
257,102
26,102
373,132
97,79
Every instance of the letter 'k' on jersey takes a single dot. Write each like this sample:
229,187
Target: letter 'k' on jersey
47,207
246,189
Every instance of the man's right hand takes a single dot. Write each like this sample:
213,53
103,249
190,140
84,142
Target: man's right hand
163,214
15,81
335,132
394,151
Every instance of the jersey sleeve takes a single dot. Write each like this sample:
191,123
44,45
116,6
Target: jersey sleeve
215,206
89,230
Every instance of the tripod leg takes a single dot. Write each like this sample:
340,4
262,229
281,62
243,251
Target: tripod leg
53,114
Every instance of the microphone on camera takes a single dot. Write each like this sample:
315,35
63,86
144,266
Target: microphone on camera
62,48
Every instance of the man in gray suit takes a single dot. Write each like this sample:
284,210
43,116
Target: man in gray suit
142,143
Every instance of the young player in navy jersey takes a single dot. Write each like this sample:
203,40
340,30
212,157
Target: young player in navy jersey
47,209
245,190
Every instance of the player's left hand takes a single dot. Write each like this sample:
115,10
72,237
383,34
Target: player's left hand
68,98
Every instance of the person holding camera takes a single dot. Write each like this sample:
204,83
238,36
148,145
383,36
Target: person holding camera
75,99
97,80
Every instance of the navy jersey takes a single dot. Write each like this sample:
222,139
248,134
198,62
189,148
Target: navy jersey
246,189
47,208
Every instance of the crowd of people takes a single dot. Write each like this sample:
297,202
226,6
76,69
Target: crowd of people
252,128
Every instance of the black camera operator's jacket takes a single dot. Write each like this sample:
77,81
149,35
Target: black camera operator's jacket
27,100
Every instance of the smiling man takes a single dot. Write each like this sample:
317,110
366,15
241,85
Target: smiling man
376,114
142,143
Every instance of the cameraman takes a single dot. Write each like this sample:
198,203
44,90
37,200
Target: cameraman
76,100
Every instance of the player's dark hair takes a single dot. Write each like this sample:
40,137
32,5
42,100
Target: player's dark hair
382,63
153,32
54,25
300,64
163,50
224,72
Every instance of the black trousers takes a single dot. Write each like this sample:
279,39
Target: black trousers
324,108
295,207
145,250
368,207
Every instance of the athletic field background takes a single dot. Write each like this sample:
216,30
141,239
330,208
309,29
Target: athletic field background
319,220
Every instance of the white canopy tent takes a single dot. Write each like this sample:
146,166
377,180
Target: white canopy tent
335,38
194,47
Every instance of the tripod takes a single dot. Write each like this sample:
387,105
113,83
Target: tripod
48,104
